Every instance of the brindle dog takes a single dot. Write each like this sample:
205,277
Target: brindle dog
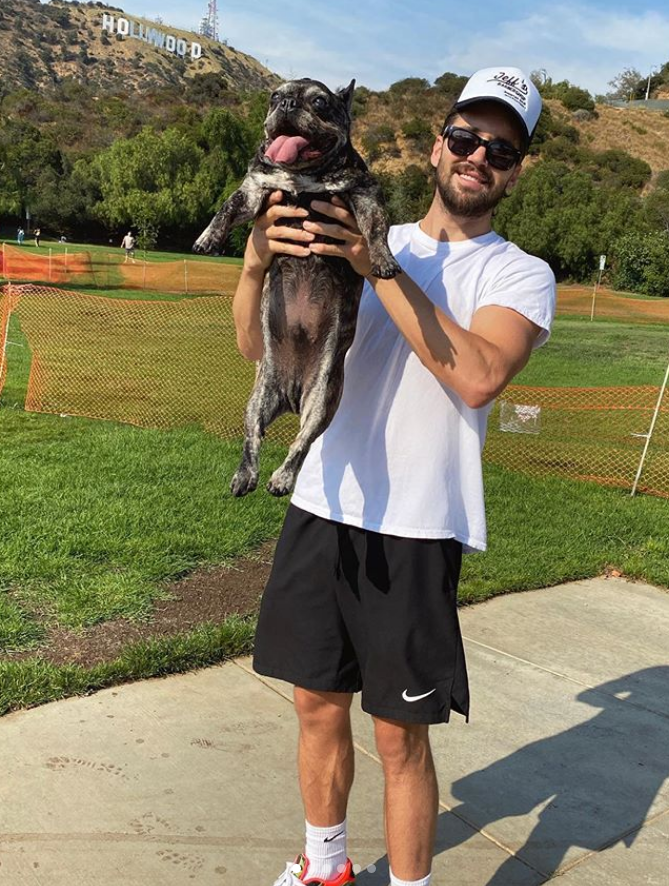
309,304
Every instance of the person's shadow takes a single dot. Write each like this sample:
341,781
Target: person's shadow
596,781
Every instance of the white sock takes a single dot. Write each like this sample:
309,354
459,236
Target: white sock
326,851
394,881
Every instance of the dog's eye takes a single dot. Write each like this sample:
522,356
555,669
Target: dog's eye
274,98
320,103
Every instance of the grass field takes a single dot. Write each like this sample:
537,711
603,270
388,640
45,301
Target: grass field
95,516
114,253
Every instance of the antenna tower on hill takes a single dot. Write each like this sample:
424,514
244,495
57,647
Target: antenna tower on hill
209,23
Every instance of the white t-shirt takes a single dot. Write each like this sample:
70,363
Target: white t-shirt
402,455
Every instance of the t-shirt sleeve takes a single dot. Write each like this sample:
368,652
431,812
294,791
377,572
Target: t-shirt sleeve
527,285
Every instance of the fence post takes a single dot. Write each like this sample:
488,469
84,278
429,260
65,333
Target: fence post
5,270
50,264
65,262
3,345
650,431
144,274
186,275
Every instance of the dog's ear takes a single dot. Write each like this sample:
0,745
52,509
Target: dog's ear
346,95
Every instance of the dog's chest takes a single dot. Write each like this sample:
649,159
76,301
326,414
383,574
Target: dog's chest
299,183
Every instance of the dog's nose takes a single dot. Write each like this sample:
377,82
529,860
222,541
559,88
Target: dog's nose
288,104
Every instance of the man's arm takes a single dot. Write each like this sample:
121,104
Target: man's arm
263,244
477,363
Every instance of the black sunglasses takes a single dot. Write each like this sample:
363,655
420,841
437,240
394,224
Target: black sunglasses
498,153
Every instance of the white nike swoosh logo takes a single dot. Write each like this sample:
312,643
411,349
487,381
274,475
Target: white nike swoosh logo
407,697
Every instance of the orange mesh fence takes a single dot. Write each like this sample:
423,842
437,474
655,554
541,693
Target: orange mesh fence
584,433
164,364
108,271
610,305
185,277
19,264
155,364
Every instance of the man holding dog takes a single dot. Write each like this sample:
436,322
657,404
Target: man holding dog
362,595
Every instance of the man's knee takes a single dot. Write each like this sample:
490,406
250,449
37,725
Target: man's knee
322,711
401,744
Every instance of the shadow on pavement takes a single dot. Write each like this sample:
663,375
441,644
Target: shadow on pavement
595,781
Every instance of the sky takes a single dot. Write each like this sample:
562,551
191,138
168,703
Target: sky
378,42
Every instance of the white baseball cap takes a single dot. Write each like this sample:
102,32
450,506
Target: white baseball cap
508,86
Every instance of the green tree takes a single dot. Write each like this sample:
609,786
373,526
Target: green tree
564,217
641,263
626,84
150,180
408,85
450,84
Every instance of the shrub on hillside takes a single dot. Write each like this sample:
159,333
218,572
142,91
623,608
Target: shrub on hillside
419,131
572,97
619,169
550,127
408,85
450,84
361,96
561,148
378,140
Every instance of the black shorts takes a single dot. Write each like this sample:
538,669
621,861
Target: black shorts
347,609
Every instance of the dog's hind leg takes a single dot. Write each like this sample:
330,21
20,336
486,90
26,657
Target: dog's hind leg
319,404
263,407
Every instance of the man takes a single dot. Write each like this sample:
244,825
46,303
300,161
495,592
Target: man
128,243
362,594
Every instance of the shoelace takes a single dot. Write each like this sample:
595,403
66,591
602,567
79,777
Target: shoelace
286,879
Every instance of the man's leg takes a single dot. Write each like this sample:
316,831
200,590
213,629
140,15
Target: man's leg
325,755
411,796
325,762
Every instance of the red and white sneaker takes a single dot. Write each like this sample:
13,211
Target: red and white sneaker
297,874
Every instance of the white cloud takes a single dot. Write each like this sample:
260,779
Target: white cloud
574,42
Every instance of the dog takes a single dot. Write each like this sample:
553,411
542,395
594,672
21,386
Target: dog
309,304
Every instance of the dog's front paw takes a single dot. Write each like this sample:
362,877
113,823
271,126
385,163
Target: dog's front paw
244,481
281,482
385,268
207,245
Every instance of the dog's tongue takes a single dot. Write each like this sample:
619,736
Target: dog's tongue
285,148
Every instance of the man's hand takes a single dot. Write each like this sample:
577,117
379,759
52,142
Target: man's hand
268,238
354,248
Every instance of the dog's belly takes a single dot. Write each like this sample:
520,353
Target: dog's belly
310,308
304,312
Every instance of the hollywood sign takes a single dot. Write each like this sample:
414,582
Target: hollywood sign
128,28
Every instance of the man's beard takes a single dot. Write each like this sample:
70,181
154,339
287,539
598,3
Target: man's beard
468,204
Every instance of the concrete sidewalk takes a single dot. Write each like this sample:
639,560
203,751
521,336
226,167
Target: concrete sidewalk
191,779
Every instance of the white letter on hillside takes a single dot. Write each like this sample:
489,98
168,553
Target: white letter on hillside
123,27
181,48
107,22
170,43
195,50
156,37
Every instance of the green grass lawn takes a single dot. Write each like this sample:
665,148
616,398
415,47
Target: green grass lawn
581,353
115,253
96,515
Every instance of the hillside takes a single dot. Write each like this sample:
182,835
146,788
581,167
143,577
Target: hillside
43,45
642,134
